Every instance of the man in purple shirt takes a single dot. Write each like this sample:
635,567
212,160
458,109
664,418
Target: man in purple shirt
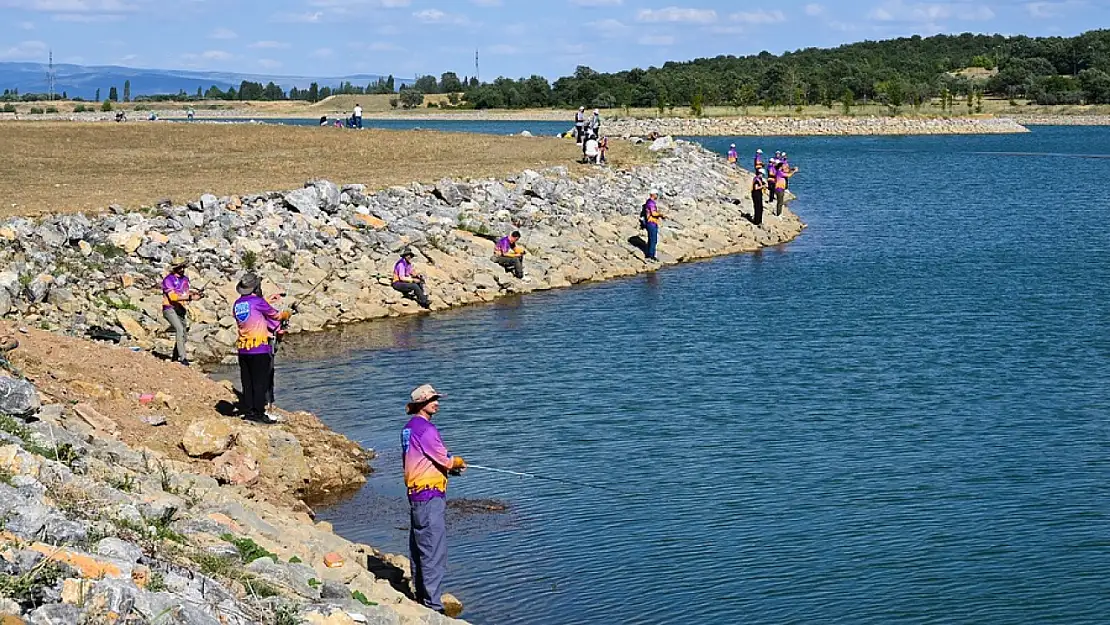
510,255
426,464
407,281
257,321
175,293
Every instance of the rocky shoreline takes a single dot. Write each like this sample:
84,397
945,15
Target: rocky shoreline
1062,120
809,126
71,273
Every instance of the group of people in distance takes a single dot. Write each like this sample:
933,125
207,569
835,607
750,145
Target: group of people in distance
508,253
587,133
774,180
354,121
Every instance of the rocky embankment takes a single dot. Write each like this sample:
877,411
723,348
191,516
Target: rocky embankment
70,273
95,531
808,126
1062,120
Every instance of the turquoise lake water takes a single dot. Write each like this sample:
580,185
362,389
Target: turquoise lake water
538,128
901,417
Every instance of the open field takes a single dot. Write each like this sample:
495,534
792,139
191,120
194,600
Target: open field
67,167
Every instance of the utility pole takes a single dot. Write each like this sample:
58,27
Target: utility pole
50,77
477,74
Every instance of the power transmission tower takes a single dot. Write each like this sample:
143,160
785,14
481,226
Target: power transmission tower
477,74
50,77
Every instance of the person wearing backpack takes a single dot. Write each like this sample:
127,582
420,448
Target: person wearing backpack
650,217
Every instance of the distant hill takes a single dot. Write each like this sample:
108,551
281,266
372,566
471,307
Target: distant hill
82,81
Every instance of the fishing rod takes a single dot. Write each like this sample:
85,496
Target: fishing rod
545,477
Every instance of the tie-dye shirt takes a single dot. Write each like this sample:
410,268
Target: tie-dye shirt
732,155
175,288
425,459
257,320
402,269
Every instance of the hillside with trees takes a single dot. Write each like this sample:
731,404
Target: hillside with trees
896,72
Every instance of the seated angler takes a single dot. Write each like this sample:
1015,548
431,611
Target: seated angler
510,255
407,281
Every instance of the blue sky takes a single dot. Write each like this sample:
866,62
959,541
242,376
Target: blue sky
516,37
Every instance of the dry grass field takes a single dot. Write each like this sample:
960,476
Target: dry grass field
52,167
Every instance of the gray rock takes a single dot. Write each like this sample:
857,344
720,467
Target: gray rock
292,576
38,288
328,194
305,201
50,236
112,547
209,202
5,302
54,614
25,559
334,590
17,397
662,143
59,296
449,192
7,606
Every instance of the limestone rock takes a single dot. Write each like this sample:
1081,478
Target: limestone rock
279,455
208,438
662,143
304,201
328,194
236,468
131,325
17,397
117,549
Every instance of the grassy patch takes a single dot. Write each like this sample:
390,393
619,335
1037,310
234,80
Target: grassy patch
27,589
64,453
157,583
249,550
361,598
117,304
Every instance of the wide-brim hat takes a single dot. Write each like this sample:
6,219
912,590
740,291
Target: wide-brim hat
248,284
178,261
421,395
759,151
408,253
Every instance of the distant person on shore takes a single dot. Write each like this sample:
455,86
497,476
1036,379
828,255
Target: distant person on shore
323,120
595,123
407,281
772,174
357,116
785,164
650,218
510,254
175,293
592,150
426,463
732,155
757,162
121,116
603,150
257,320
580,125
782,175
190,114
758,185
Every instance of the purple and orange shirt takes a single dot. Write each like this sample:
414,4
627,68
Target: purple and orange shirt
758,160
732,156
425,459
402,269
257,320
505,247
651,212
175,289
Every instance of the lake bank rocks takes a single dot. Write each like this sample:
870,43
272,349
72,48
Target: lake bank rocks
331,248
810,126
94,531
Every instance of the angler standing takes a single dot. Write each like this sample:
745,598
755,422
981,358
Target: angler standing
175,293
426,464
257,321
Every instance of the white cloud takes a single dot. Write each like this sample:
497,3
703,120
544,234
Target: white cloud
87,18
435,16
758,17
216,55
813,9
676,14
25,51
322,53
1048,10
222,33
928,13
609,27
26,25
656,40
70,6
597,3
268,63
299,18
268,45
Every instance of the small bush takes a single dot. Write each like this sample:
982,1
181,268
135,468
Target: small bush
9,108
432,105
80,108
36,110
249,550
393,102
361,598
284,260
249,260
51,109
142,107
106,106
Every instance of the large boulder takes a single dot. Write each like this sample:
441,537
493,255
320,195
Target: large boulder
305,201
17,397
235,467
279,455
208,438
662,143
328,194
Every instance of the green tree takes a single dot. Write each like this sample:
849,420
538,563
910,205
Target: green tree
1095,85
411,98
970,102
696,107
426,84
978,101
97,98
449,83
847,99
113,95
127,91
106,106
314,92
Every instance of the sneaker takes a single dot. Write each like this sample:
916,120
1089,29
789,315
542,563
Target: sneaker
183,362
272,417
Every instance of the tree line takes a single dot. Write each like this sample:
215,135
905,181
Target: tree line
896,72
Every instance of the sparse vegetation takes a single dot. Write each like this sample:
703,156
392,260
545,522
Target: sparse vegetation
284,260
361,598
36,110
249,551
249,260
117,304
109,251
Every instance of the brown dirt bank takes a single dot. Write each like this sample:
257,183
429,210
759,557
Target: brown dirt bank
56,167
110,381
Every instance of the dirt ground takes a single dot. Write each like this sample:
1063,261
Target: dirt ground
53,167
111,379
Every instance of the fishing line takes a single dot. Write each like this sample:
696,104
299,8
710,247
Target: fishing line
548,478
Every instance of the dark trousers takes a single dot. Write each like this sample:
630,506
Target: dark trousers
780,194
653,239
511,263
416,289
757,203
428,549
358,122
256,373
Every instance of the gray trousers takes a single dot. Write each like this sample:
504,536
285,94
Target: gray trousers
512,263
428,550
178,323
